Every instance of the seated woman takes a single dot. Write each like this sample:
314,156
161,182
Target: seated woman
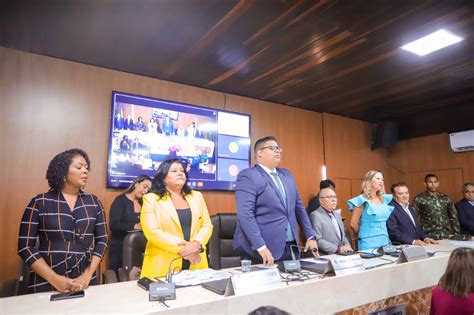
455,292
175,221
372,210
70,225
125,216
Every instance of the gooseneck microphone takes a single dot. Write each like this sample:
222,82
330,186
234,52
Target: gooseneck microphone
385,249
314,250
367,237
169,274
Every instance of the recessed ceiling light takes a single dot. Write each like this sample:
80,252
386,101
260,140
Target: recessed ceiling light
432,42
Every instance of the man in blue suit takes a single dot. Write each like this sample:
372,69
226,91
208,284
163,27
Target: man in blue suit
118,122
167,126
402,224
269,209
465,209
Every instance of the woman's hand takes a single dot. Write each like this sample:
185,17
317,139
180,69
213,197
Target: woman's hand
64,284
137,226
194,259
83,280
61,283
190,248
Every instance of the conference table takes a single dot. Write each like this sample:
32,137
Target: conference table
316,296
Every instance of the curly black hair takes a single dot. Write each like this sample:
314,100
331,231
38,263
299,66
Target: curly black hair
58,167
158,185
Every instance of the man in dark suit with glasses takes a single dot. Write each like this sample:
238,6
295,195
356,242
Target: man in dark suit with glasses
269,209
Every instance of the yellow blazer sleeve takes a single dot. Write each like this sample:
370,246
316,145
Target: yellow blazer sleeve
155,228
204,231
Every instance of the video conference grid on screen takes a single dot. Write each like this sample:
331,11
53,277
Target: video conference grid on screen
214,144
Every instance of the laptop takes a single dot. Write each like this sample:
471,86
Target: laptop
216,286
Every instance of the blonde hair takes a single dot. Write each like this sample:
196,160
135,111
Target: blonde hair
367,185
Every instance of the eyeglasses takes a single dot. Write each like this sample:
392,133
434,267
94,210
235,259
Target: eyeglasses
274,148
329,197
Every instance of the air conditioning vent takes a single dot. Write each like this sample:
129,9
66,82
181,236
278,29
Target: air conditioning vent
462,141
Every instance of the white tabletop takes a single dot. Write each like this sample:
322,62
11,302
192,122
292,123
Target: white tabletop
314,296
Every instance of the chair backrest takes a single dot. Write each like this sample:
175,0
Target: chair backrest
134,245
110,276
9,288
220,248
24,278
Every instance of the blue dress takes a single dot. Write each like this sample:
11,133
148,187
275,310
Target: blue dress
373,221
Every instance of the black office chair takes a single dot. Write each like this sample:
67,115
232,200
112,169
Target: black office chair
24,279
110,276
221,252
134,245
9,288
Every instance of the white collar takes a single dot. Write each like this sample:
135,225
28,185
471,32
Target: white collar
266,169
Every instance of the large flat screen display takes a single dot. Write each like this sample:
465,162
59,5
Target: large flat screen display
144,131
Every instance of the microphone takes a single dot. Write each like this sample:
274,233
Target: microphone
386,249
366,237
294,265
389,249
314,250
169,274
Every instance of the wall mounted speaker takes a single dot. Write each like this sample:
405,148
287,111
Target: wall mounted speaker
385,135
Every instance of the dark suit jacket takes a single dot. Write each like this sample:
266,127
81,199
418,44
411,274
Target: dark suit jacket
118,123
313,204
262,215
167,127
129,124
466,216
400,226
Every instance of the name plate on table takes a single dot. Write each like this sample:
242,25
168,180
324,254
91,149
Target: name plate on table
412,253
344,265
250,282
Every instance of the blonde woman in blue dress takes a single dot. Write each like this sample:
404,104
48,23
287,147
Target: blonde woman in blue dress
370,212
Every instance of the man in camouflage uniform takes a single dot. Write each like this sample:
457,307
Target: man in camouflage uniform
437,214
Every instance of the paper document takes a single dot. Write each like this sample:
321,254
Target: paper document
197,276
463,243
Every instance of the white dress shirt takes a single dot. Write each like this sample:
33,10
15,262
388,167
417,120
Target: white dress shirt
408,212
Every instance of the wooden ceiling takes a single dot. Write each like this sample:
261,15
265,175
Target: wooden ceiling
340,57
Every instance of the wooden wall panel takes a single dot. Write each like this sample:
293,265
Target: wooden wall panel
344,193
347,149
450,182
356,186
414,158
49,105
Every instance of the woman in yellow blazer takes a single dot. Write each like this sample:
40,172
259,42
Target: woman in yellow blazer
175,222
